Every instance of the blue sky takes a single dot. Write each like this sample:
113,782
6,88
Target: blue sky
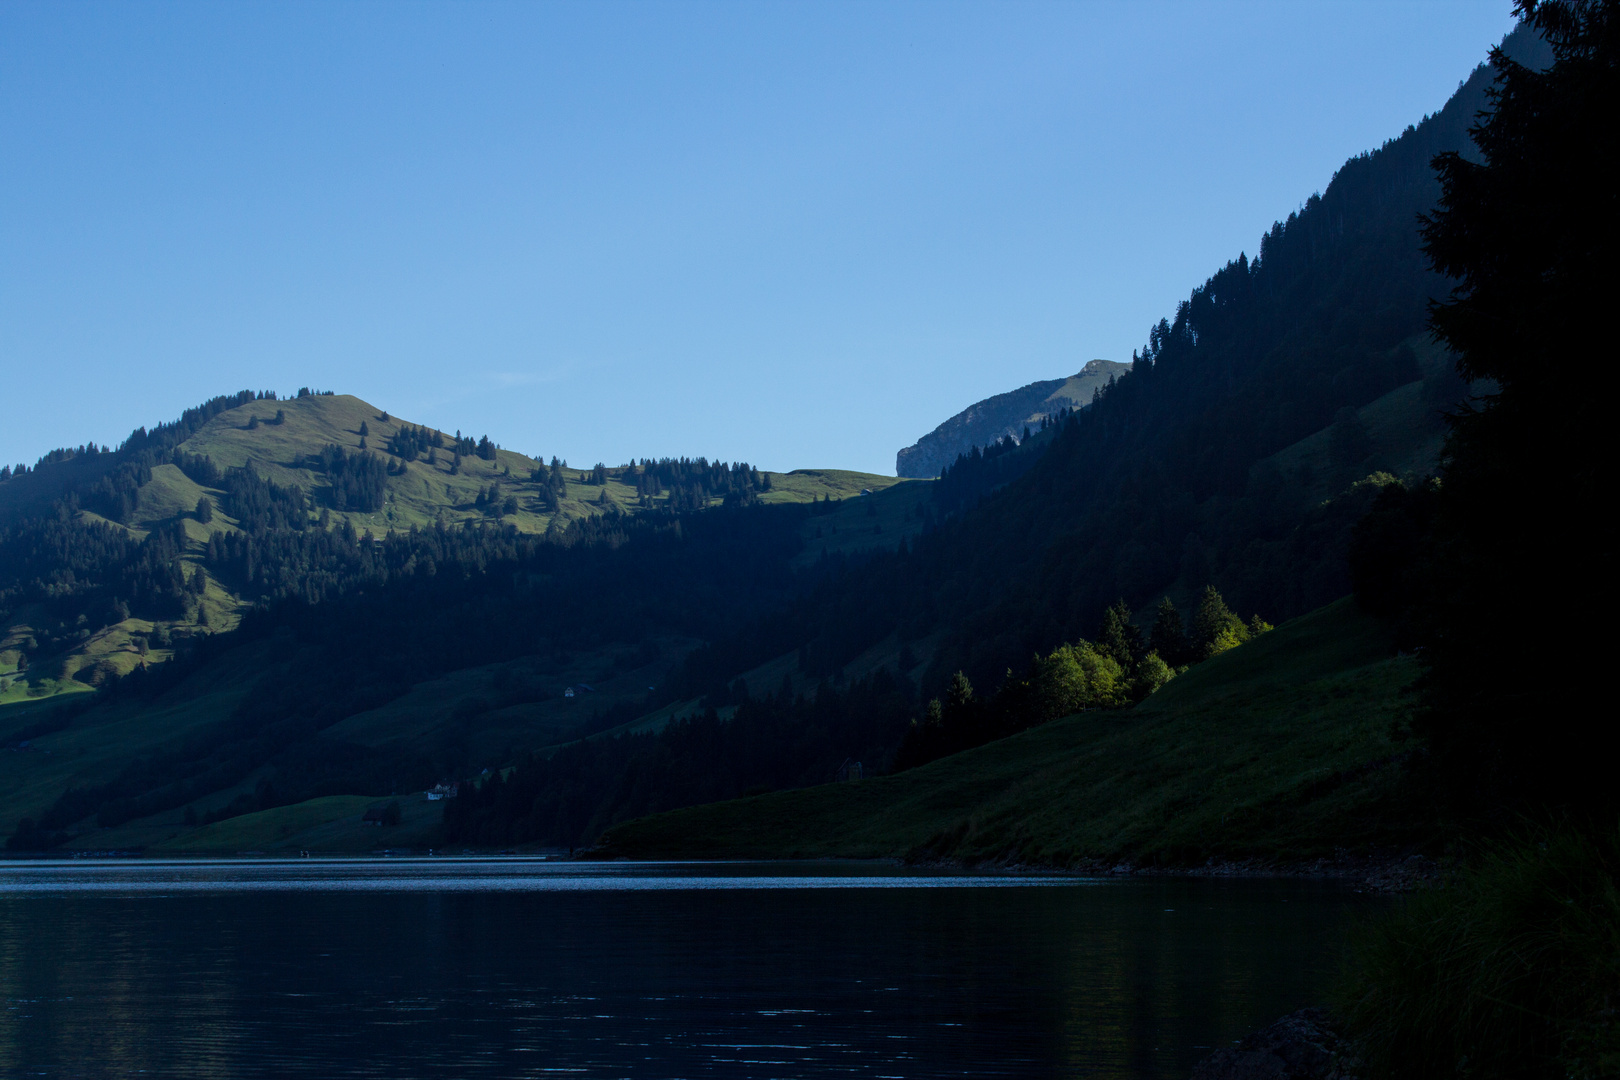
793,234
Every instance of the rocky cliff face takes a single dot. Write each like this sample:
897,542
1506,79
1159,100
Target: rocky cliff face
1003,415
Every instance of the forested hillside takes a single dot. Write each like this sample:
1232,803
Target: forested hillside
108,558
339,562
1252,432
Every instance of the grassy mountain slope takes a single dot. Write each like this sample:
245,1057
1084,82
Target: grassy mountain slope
92,745
332,823
487,714
65,655
878,521
423,493
494,712
1281,748
1399,433
285,453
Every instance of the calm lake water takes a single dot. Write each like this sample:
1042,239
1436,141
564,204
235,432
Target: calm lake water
510,967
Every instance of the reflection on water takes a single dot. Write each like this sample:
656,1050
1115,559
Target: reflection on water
311,968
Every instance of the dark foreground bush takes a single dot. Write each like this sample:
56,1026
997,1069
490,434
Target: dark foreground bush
1513,970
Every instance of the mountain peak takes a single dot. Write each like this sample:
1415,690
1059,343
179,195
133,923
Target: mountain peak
1004,415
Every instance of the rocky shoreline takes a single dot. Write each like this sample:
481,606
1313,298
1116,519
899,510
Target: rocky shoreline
1304,1045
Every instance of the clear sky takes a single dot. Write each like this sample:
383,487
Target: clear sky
793,234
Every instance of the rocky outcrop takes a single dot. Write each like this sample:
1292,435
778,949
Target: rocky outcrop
1006,414
1301,1046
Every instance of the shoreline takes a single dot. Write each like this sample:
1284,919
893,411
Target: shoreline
1387,874
1391,874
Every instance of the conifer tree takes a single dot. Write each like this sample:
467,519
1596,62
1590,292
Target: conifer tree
1120,638
1214,627
1526,229
1169,636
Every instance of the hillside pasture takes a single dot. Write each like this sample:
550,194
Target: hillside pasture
1285,748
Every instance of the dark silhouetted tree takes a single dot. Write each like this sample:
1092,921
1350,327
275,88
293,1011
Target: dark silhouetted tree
1527,230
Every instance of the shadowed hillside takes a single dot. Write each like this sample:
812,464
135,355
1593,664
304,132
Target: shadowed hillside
1283,748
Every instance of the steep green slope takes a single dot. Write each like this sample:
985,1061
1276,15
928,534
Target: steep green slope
1283,748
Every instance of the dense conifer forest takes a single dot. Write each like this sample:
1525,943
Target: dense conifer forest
1168,482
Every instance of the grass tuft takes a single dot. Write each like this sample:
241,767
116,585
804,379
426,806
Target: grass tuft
1512,970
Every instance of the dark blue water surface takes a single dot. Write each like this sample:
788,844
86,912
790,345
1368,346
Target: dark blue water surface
512,967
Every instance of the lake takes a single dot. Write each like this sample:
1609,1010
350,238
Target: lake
517,967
